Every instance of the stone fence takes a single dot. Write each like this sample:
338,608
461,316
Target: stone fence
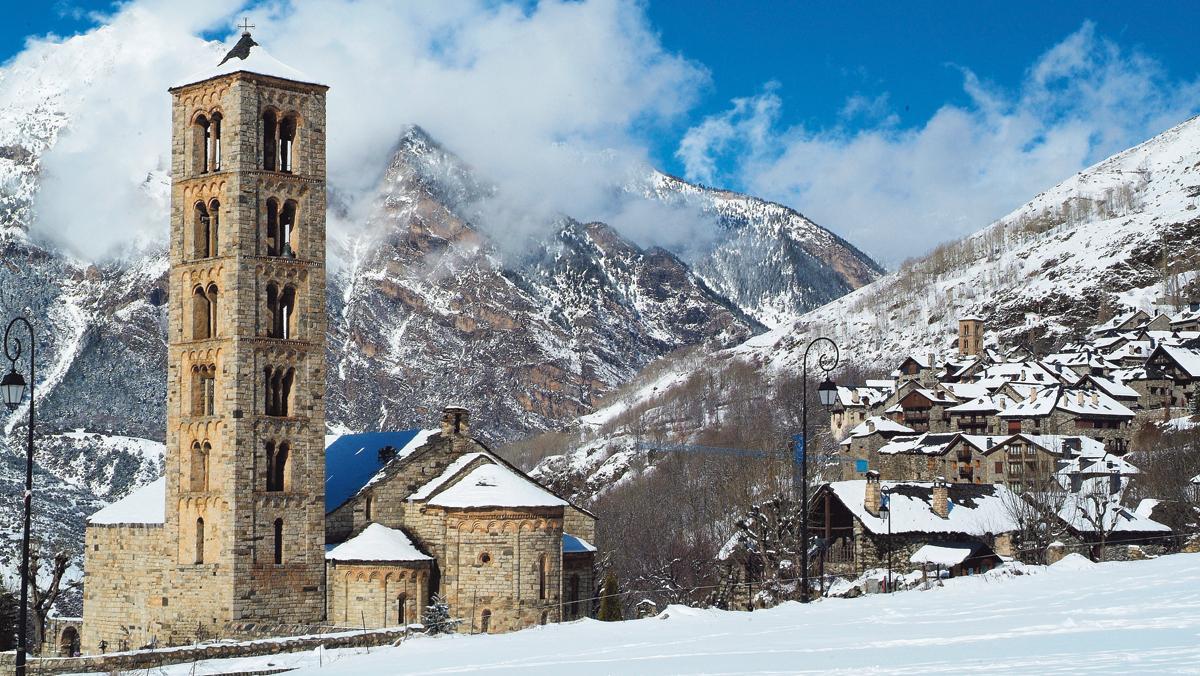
150,659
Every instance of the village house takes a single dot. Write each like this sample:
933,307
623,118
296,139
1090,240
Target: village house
1057,410
1172,377
859,450
864,524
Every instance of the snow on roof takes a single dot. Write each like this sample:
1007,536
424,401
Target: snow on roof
495,485
976,509
1100,466
935,396
879,424
1038,403
1188,360
983,404
353,460
1114,388
1084,513
1075,445
1094,403
925,444
447,474
945,553
880,384
965,391
145,505
1118,321
248,56
377,542
575,545
859,396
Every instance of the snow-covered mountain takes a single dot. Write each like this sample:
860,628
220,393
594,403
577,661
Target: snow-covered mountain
1124,232
425,307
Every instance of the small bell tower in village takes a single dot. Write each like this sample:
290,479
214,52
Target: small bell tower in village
246,377
233,534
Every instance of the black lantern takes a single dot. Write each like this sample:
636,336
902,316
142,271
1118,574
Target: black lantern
827,391
12,390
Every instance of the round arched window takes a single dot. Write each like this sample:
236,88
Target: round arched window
485,558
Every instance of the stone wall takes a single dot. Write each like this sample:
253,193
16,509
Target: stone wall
153,659
123,585
376,595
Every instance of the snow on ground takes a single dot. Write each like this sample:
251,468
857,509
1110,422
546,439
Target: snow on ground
1069,618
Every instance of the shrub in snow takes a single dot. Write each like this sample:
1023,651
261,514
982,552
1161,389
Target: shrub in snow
610,601
436,617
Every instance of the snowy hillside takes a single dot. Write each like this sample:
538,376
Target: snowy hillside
1039,277
1072,617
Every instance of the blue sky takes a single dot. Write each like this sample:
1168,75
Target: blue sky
896,125
824,53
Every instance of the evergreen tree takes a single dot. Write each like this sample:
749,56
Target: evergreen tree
8,620
436,617
610,601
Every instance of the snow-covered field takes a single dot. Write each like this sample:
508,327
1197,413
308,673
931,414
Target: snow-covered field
1069,618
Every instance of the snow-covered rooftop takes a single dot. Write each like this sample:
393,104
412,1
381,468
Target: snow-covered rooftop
983,509
377,542
447,474
146,505
1084,513
248,56
945,553
879,424
495,485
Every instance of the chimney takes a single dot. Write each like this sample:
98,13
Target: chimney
870,426
874,493
455,421
1095,398
1079,398
1033,394
931,355
941,498
855,397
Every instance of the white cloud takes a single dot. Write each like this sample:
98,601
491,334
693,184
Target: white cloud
897,192
522,92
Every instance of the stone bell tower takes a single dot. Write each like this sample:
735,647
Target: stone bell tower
244,525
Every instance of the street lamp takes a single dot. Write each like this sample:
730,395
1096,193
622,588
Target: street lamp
12,390
885,508
827,392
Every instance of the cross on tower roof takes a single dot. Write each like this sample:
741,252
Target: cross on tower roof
246,26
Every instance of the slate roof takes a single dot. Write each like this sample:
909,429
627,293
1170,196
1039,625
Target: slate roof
352,460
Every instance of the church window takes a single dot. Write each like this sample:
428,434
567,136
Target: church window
543,571
485,621
368,506
214,134
201,315
485,558
270,140
281,310
277,466
287,229
273,240
287,139
278,541
201,140
204,390
402,609
211,293
199,541
199,466
201,231
278,390
214,221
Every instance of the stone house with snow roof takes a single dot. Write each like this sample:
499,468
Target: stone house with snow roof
504,551
858,452
856,535
853,406
923,409
1172,377
1062,411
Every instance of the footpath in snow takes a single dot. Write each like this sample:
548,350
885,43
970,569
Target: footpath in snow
1073,617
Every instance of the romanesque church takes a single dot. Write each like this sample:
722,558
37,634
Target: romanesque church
260,525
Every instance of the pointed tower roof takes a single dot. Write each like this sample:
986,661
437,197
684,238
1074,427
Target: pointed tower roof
249,57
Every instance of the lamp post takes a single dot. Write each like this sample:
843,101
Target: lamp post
12,391
827,392
885,507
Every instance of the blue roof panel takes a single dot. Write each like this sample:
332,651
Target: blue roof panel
352,459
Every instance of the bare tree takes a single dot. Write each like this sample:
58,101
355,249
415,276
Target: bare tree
45,589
